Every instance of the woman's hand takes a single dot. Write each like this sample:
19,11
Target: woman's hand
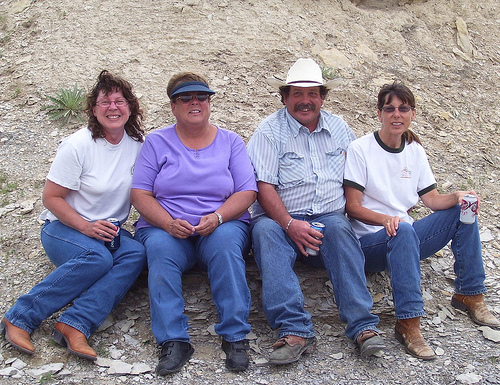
102,230
179,228
391,225
460,196
207,225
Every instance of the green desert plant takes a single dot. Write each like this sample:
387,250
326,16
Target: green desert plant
328,73
67,105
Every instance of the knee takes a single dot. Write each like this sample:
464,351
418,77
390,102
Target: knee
406,235
265,227
230,232
455,210
156,244
406,230
136,253
101,258
338,227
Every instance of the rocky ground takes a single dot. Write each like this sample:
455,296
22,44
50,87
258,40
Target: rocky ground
446,51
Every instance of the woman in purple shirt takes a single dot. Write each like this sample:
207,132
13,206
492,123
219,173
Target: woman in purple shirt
193,184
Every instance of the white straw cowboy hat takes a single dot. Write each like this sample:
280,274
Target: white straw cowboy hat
304,73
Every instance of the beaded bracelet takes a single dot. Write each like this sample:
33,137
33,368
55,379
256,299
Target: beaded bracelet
288,225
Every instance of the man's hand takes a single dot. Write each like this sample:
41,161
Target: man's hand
303,235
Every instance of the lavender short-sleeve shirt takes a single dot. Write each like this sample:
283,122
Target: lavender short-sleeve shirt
192,183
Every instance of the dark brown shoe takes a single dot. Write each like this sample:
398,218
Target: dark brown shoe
369,342
407,332
289,349
476,308
74,340
17,337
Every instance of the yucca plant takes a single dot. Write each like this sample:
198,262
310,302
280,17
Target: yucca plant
328,72
67,105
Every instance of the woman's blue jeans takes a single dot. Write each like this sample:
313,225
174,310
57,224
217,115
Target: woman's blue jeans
341,255
87,273
221,254
401,256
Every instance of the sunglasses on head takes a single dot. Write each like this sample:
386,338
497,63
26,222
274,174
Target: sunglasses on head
390,109
188,98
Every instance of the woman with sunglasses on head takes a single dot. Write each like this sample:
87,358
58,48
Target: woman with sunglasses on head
386,173
88,182
192,185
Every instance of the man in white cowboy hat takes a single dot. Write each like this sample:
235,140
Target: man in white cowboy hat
299,154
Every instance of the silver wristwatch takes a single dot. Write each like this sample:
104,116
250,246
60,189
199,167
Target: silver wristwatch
220,217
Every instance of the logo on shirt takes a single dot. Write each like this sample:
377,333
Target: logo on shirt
405,173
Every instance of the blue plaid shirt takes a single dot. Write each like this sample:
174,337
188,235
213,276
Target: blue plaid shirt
306,168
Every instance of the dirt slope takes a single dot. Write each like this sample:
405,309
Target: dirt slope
446,51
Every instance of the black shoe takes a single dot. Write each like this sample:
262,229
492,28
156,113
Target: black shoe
173,356
236,355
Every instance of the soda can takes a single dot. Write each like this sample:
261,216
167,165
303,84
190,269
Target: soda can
468,209
114,244
321,228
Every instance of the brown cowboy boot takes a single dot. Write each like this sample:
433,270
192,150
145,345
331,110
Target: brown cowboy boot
74,340
407,332
17,337
476,308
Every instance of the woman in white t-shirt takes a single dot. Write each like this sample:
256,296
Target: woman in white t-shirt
386,173
88,182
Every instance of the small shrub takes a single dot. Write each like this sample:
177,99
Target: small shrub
328,73
67,105
5,185
3,22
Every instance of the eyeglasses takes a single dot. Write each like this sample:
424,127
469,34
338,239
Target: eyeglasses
107,103
390,109
188,98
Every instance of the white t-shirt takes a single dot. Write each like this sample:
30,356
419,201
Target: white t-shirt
98,173
392,180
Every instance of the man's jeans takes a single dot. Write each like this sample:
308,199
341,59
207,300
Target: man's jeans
87,273
401,256
222,255
340,254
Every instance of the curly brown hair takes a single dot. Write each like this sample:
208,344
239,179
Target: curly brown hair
109,83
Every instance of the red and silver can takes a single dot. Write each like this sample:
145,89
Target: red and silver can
468,210
114,244
319,227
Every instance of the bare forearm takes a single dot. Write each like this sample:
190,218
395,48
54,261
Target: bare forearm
150,209
272,204
436,201
365,215
66,214
236,205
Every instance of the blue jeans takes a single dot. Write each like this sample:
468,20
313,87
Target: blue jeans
222,255
401,256
341,255
87,273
